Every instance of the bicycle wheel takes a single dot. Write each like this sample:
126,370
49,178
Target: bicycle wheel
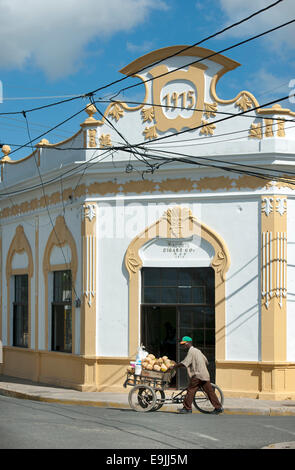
160,399
142,398
202,402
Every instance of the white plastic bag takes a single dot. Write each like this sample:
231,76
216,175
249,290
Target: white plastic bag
141,354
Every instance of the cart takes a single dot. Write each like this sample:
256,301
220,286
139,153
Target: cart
148,392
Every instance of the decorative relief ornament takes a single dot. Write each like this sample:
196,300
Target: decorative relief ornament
219,261
268,207
244,102
268,127
116,111
132,262
274,267
210,110
281,128
178,218
105,140
89,211
208,129
92,137
150,133
281,205
148,114
6,150
90,268
181,94
256,131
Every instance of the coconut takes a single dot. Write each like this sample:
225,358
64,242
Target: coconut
151,356
164,368
149,367
165,358
157,368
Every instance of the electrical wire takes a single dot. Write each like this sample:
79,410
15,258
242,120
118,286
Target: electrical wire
231,115
47,208
228,168
84,95
193,45
183,108
206,57
219,120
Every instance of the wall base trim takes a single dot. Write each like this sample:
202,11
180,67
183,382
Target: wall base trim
255,379
252,379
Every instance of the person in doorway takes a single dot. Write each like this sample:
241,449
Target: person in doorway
196,365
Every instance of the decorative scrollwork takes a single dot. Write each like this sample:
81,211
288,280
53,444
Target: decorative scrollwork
116,111
150,133
219,261
132,263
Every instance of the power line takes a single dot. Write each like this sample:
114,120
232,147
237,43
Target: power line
231,115
207,57
91,93
215,160
193,45
69,172
218,120
143,144
47,208
186,109
159,61
232,169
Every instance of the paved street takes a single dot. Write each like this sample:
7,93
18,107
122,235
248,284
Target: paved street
27,424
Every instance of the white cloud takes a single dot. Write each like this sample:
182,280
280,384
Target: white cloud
267,85
139,48
53,34
281,13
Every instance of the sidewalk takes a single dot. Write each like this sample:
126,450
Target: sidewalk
25,389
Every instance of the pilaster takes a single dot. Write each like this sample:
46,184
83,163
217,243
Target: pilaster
88,307
273,278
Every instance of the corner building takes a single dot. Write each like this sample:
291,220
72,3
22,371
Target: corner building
128,257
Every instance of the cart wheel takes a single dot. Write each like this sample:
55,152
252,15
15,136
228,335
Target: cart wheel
142,398
160,399
202,402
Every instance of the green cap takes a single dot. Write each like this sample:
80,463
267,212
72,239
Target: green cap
186,339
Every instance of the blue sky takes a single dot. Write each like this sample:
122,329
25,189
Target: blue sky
54,48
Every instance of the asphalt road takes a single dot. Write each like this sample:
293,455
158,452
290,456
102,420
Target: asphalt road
27,424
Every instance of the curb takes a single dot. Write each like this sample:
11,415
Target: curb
165,408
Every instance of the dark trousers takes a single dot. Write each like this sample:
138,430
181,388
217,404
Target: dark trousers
192,388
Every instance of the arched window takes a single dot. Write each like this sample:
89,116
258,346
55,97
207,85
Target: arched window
19,272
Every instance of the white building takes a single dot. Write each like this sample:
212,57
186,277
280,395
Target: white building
184,250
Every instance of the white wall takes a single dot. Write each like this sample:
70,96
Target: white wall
236,222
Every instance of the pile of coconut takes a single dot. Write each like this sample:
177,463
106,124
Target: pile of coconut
162,364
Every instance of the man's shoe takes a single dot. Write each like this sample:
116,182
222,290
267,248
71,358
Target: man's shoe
217,411
184,411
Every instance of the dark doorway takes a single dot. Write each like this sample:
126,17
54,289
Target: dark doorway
178,302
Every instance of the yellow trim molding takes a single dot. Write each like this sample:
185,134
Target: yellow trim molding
176,185
161,54
59,237
19,245
265,380
88,307
273,278
177,222
86,374
36,282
